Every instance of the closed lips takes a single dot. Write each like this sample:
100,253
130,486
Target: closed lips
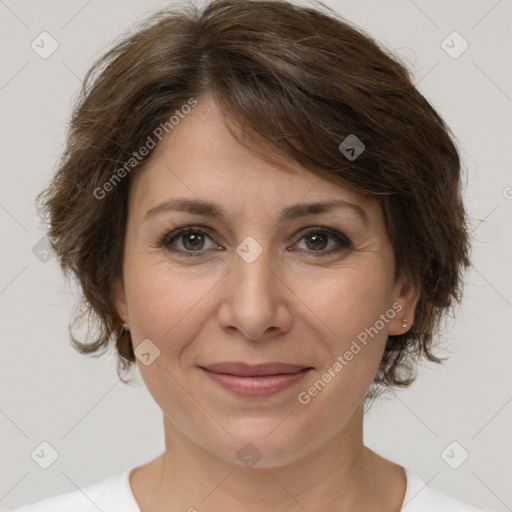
259,370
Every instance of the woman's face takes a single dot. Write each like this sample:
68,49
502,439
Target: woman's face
264,282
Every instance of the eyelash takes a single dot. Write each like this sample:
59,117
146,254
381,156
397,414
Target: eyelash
169,238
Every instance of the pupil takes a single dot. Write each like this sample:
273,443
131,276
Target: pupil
316,237
193,237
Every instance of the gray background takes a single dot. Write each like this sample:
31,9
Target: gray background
100,427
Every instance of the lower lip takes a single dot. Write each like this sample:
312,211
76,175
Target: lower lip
261,386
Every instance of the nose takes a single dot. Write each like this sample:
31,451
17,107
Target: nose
255,301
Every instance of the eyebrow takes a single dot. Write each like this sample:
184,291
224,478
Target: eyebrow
209,209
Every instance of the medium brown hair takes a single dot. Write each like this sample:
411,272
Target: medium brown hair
292,76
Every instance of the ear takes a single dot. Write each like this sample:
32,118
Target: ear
405,298
119,300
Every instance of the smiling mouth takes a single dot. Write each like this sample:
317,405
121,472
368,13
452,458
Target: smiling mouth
262,380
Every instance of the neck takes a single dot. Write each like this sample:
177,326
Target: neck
341,474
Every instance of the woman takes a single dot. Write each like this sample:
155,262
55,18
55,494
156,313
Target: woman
266,215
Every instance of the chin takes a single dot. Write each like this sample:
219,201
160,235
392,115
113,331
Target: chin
262,443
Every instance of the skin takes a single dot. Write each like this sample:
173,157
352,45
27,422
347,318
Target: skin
288,305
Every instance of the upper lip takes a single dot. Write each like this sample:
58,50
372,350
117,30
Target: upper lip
247,370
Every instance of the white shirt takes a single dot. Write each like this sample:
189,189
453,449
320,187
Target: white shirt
114,494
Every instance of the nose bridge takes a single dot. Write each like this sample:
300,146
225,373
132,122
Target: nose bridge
253,301
253,268
252,271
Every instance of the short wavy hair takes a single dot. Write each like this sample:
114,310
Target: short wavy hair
298,77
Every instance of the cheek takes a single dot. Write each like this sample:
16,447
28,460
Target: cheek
351,311
347,300
170,310
166,304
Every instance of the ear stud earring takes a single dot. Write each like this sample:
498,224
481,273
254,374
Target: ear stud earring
404,320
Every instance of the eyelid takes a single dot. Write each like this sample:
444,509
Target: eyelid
175,233
335,233
343,241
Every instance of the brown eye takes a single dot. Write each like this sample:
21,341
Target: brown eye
192,241
318,240
187,241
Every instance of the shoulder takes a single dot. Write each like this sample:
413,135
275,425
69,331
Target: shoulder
421,498
110,495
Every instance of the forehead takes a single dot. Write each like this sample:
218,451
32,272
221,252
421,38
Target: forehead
201,159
